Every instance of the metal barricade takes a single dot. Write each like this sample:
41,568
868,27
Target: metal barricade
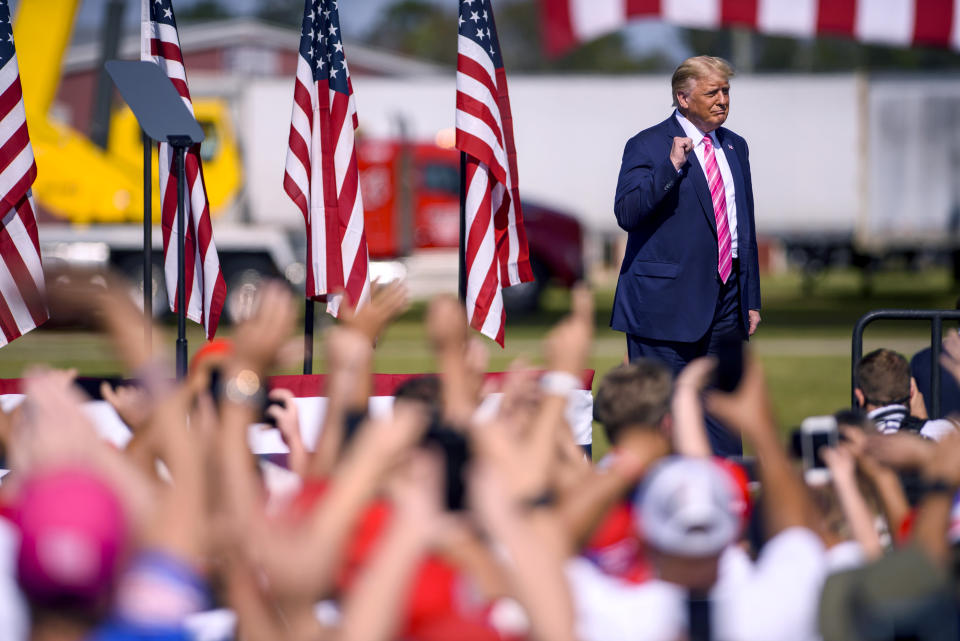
936,318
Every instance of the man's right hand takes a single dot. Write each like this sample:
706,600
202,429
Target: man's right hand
680,150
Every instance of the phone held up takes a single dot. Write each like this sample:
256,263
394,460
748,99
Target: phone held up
807,441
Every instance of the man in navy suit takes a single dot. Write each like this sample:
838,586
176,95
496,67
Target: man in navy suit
690,277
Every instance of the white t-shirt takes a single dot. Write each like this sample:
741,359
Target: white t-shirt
774,599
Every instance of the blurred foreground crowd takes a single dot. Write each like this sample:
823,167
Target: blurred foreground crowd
451,518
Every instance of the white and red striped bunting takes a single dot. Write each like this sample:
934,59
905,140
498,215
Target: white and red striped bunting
497,255
205,290
898,23
321,174
22,306
309,394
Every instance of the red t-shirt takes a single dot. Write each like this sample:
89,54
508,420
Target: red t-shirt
432,607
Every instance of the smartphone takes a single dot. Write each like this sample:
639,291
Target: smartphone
817,432
729,365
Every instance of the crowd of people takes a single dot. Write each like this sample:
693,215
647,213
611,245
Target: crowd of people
449,518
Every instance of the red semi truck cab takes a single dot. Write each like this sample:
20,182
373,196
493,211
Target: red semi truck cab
411,199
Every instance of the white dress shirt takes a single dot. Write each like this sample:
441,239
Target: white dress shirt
729,190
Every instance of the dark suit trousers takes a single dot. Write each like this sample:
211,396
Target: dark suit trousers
675,355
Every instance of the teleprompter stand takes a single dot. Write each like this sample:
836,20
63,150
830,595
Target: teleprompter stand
163,117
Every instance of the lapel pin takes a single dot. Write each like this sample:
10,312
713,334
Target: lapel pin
729,146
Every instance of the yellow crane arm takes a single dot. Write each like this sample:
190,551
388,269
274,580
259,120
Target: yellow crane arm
42,30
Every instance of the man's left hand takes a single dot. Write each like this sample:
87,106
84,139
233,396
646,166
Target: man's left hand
754,316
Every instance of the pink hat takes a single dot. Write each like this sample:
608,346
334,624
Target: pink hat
688,507
73,532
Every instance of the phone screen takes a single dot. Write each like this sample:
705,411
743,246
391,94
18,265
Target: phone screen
819,440
817,432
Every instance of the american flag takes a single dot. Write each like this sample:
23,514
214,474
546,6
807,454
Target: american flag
21,275
899,23
496,244
206,289
321,174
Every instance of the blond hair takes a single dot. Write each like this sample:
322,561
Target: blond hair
693,69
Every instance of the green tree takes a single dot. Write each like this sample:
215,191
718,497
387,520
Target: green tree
417,28
426,30
288,13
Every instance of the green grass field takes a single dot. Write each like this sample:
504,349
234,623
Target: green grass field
804,341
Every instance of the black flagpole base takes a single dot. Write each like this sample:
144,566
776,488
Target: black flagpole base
181,358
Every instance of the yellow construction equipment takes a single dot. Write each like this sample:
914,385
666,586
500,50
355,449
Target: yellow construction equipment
77,180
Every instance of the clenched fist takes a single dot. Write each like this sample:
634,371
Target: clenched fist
680,150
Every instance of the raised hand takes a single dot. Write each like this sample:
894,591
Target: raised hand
748,408
446,324
132,404
53,427
288,423
679,151
521,395
568,345
258,341
840,461
385,304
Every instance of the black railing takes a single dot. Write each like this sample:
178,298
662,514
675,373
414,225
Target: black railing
936,318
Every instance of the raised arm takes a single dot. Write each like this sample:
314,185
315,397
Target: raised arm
533,550
645,180
747,409
941,476
689,433
886,483
302,560
350,364
372,609
843,471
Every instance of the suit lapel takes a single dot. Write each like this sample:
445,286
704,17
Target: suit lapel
695,173
741,192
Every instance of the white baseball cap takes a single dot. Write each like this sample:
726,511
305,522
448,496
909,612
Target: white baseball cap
688,507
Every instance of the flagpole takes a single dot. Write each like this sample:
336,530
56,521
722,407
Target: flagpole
462,251
308,324
180,144
147,241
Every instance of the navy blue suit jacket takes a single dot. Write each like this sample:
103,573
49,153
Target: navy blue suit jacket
668,284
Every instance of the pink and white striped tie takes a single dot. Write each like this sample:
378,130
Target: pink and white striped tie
719,196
